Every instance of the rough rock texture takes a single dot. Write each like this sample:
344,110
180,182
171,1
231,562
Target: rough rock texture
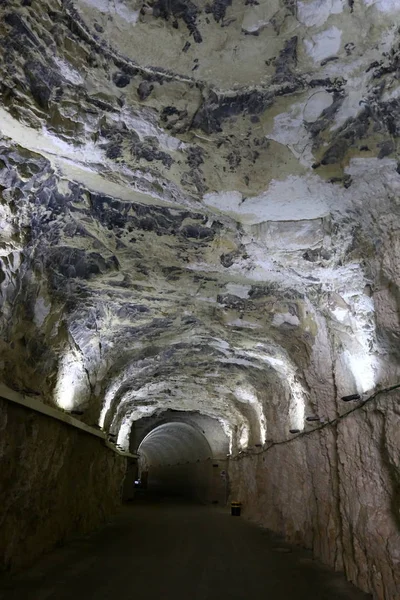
199,212
335,490
55,482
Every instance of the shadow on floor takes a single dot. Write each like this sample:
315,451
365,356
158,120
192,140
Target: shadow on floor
163,549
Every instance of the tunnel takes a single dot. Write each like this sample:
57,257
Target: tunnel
177,458
183,454
199,298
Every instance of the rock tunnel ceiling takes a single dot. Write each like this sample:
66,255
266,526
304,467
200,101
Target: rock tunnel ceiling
174,442
199,207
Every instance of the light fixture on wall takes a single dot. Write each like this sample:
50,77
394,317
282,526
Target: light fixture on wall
71,389
311,419
294,430
351,397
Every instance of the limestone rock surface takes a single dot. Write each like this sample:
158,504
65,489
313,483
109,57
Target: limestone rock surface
199,209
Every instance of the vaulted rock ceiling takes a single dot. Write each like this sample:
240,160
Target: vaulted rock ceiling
199,207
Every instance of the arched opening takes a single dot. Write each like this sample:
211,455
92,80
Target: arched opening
176,459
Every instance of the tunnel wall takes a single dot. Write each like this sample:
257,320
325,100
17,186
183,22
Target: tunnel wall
336,491
55,481
199,480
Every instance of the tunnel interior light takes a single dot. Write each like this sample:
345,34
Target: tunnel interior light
287,371
72,384
294,430
244,437
362,366
297,403
351,397
247,394
228,430
312,418
103,412
124,433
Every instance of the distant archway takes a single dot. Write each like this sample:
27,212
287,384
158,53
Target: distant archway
179,462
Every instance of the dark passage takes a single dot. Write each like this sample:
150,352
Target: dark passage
163,551
178,457
183,455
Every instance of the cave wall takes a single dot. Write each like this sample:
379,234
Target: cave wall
55,482
335,490
181,231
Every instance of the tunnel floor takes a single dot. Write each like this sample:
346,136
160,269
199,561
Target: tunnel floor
178,551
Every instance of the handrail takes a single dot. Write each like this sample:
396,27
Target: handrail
335,421
36,405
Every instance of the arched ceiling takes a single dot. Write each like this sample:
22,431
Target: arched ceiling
199,207
173,443
216,434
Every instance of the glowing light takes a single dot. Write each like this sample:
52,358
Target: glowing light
248,395
72,388
287,370
359,347
125,428
112,390
263,426
227,427
362,366
244,436
124,433
106,405
297,404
